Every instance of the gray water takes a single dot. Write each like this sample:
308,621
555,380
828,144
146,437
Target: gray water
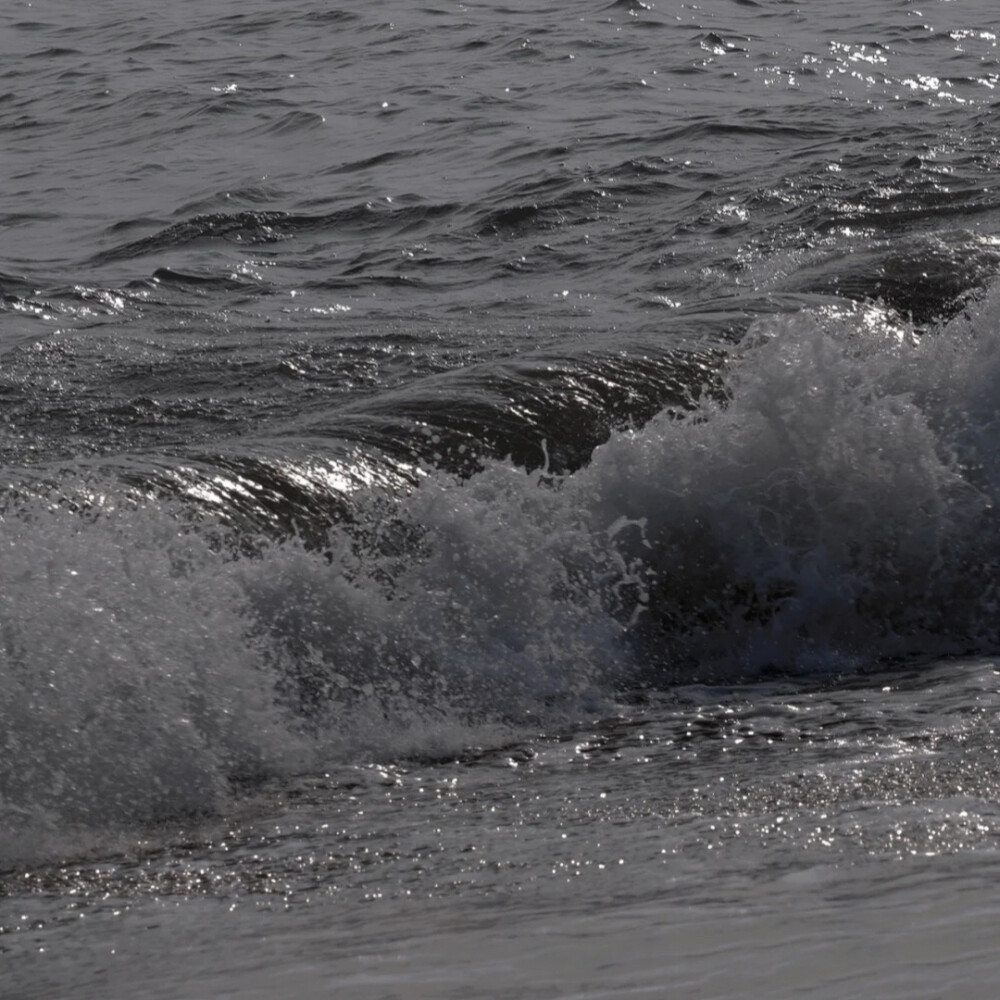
498,502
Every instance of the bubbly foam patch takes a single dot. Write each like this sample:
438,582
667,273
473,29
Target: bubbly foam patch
129,686
837,508
145,665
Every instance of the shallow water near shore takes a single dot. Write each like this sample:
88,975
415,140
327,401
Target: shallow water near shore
785,837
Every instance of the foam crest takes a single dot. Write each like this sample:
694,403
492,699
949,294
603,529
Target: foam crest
835,509
476,599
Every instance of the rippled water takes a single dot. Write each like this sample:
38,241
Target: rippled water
498,501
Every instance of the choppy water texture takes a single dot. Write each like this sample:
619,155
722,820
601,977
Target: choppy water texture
499,501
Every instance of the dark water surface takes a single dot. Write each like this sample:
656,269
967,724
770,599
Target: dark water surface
464,456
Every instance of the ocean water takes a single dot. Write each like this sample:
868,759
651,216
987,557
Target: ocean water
499,501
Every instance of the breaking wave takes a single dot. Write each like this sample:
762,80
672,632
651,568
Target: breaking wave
833,507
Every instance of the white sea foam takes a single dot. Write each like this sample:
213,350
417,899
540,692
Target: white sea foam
129,688
836,506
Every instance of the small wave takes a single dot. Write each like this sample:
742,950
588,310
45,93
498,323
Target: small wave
631,6
293,121
262,227
537,206
715,43
170,276
380,159
251,228
928,277
54,52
